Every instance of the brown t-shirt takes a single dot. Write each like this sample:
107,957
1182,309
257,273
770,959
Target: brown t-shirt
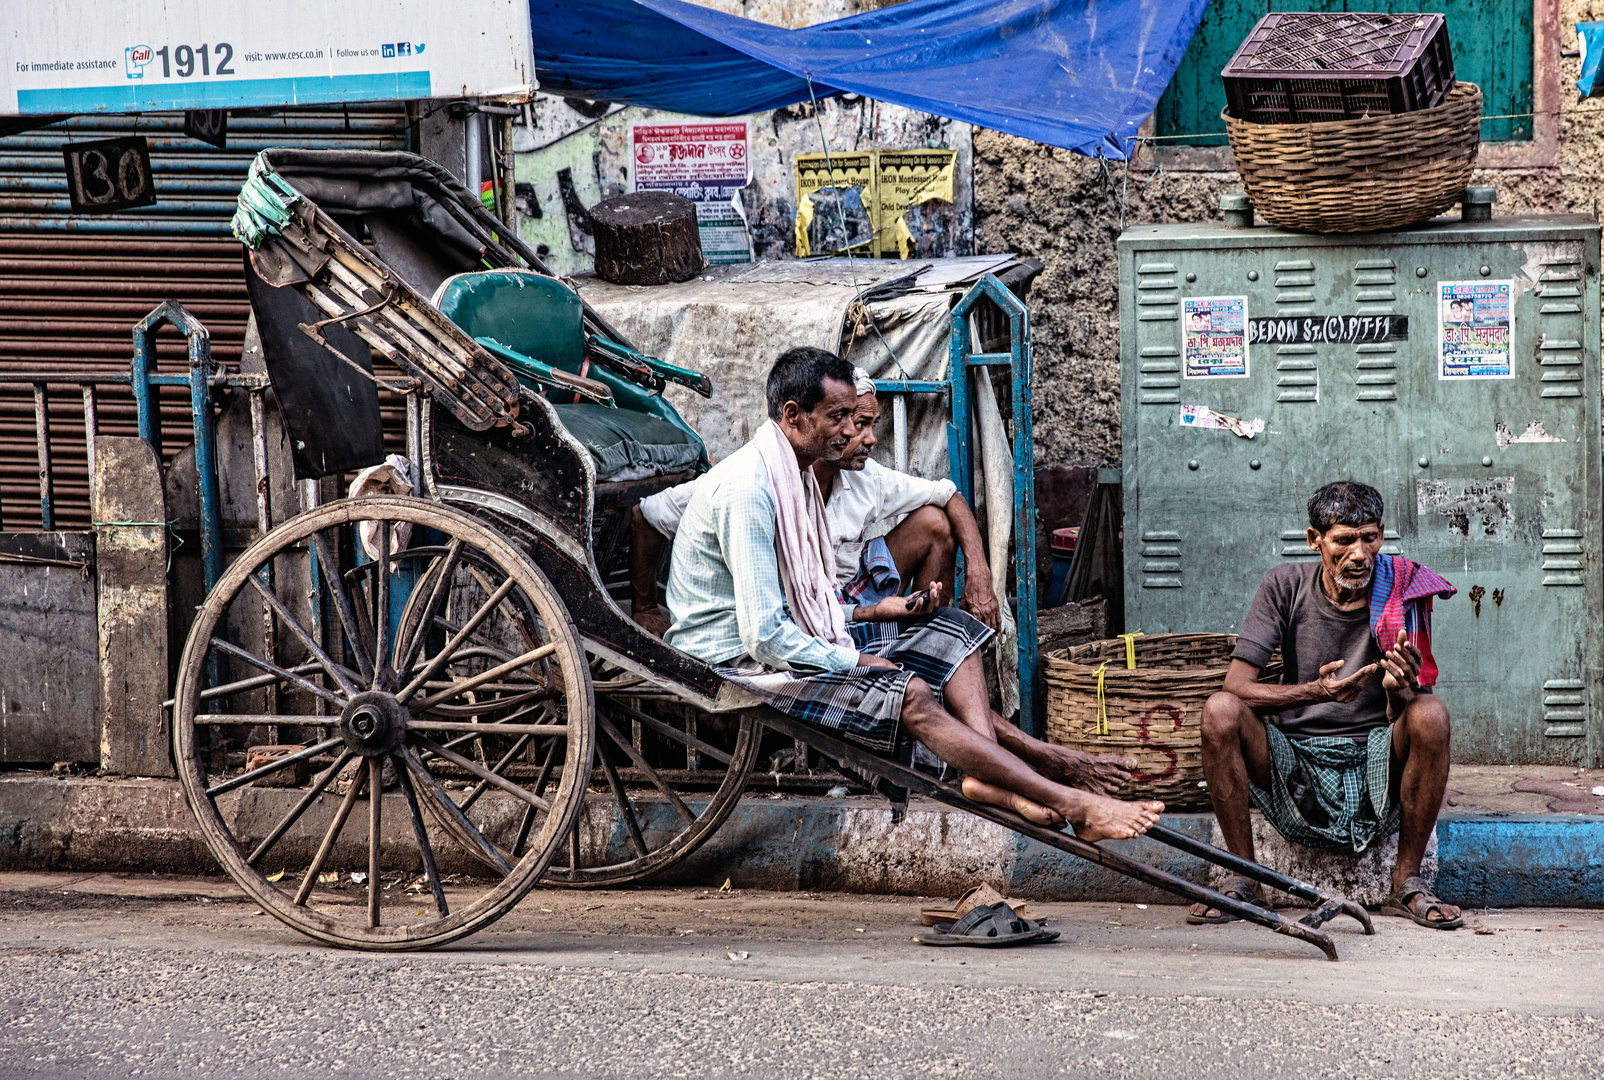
1291,612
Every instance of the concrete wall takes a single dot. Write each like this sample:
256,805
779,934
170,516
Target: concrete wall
1068,211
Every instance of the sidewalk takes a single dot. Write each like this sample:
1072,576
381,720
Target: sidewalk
1508,837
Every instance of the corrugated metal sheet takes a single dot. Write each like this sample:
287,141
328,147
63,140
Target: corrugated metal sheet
72,286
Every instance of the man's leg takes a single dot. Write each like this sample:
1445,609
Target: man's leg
924,550
968,700
645,556
1419,773
1095,817
1235,749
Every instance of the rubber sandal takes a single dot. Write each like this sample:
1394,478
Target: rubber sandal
1398,904
970,899
989,926
1241,890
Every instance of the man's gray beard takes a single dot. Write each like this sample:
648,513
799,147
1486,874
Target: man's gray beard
1348,583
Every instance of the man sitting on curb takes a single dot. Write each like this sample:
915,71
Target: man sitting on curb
1351,744
751,593
858,493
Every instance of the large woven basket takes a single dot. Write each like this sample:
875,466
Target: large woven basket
1155,713
1378,172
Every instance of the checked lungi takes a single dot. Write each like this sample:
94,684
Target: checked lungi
864,705
1329,792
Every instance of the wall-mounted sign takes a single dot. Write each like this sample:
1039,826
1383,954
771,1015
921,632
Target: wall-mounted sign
708,164
1214,332
1475,330
109,174
88,56
207,125
1332,329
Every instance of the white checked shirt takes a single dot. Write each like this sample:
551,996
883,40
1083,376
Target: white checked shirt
724,590
856,503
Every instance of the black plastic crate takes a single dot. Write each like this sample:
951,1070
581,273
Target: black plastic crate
1303,67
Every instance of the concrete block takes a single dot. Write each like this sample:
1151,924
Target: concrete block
1365,877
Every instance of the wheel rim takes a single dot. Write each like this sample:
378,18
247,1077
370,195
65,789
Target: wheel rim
476,725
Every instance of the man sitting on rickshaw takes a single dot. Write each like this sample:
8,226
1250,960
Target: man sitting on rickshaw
859,493
751,593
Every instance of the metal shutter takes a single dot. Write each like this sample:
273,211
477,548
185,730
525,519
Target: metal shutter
72,286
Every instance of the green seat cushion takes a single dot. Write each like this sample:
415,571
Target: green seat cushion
629,445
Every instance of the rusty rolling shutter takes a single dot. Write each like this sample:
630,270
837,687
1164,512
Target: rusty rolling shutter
72,286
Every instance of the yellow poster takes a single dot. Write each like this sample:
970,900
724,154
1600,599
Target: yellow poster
835,204
914,193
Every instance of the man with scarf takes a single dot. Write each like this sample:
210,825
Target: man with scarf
1352,743
751,592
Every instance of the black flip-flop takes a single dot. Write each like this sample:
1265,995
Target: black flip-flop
1241,890
989,926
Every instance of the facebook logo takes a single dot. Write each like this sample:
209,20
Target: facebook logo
403,48
386,50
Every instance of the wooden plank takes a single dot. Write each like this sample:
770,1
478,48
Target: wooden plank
130,517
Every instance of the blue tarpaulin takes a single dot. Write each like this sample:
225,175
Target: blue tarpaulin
1072,73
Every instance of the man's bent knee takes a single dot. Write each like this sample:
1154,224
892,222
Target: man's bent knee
1222,715
1426,724
918,705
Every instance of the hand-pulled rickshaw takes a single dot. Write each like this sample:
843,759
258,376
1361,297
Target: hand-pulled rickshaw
459,648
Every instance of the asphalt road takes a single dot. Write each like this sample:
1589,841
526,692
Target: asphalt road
111,977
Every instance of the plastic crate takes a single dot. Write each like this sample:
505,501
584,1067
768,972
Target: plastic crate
1303,67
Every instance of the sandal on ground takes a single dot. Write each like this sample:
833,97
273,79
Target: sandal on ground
1242,890
989,926
971,898
1402,903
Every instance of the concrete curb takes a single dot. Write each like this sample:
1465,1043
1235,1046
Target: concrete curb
850,844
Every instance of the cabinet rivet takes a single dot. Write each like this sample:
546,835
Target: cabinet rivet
1486,461
1420,271
1486,270
1253,275
1424,462
1191,278
1192,464
1254,464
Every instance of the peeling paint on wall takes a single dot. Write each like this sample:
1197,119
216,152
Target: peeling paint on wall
1471,509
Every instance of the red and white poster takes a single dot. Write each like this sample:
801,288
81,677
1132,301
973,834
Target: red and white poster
709,165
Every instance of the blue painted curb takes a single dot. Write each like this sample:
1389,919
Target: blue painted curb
1521,860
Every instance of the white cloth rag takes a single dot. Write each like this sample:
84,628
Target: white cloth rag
803,540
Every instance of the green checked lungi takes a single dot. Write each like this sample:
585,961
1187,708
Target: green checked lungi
1329,792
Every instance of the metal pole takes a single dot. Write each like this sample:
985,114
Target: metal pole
91,428
472,153
41,423
899,431
509,180
200,404
415,438
264,525
309,502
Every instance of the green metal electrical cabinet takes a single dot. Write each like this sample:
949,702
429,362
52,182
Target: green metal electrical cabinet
1454,366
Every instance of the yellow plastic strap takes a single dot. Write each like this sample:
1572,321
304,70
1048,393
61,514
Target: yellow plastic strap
1130,649
1102,706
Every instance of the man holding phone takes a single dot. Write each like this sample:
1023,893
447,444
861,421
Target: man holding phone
1352,743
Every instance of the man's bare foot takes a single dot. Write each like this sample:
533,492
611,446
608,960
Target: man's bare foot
654,620
1097,817
982,792
1098,775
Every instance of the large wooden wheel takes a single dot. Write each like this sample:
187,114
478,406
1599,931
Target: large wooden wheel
433,715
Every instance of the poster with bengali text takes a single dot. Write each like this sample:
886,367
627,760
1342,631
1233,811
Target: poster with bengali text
1214,332
1475,330
707,164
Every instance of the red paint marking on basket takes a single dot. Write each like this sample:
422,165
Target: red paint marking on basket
1175,717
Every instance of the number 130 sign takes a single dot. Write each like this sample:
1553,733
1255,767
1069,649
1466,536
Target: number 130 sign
110,174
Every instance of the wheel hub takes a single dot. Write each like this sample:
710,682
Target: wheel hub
373,723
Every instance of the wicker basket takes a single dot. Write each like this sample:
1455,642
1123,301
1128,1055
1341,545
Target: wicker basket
1155,713
1380,172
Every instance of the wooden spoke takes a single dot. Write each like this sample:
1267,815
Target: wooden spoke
272,767
443,658
443,803
667,729
255,682
639,759
636,837
445,572
224,719
375,834
506,759
381,604
463,686
311,645
340,816
493,705
540,785
278,673
484,774
322,782
342,604
558,730
422,834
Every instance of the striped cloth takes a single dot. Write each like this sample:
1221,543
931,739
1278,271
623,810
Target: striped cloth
864,705
1400,599
1329,792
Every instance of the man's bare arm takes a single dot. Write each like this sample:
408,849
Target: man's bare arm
645,555
1242,680
979,599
